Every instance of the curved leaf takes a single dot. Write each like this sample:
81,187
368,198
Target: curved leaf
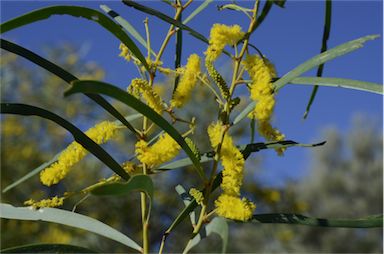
131,101
78,135
53,160
309,64
64,75
217,181
197,11
245,149
47,248
374,221
75,11
186,200
142,183
340,82
218,226
68,218
126,25
326,32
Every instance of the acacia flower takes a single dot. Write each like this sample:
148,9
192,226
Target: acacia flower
100,133
141,86
220,36
187,82
125,53
197,195
165,149
234,208
50,202
261,72
233,174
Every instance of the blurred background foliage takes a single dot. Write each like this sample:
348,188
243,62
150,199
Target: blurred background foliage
345,177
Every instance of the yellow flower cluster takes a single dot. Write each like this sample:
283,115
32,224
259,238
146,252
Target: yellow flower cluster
229,204
234,208
187,82
51,202
129,167
141,86
125,53
261,72
220,36
165,149
197,195
100,133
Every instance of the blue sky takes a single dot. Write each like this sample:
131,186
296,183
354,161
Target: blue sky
288,37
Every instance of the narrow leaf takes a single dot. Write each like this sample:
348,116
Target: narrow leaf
68,218
64,75
78,135
309,64
47,248
326,32
141,183
218,226
131,101
340,82
279,3
375,221
187,199
197,11
76,11
126,25
53,160
245,149
178,51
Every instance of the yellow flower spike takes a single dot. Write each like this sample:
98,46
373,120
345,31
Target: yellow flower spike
262,71
220,36
197,195
187,82
125,53
100,133
129,167
51,202
165,149
233,174
234,208
141,86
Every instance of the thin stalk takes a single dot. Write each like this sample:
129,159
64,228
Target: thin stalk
148,38
198,226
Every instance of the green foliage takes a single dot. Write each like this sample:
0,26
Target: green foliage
152,122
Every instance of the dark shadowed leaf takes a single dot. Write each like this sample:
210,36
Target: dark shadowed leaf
78,135
131,101
47,248
64,75
75,11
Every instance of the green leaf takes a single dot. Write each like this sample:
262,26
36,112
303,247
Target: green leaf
197,11
326,32
47,248
78,135
53,160
67,218
126,25
187,199
309,64
165,18
141,183
264,13
76,11
235,7
279,3
121,95
178,51
217,181
64,75
340,82
374,221
217,226
245,149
